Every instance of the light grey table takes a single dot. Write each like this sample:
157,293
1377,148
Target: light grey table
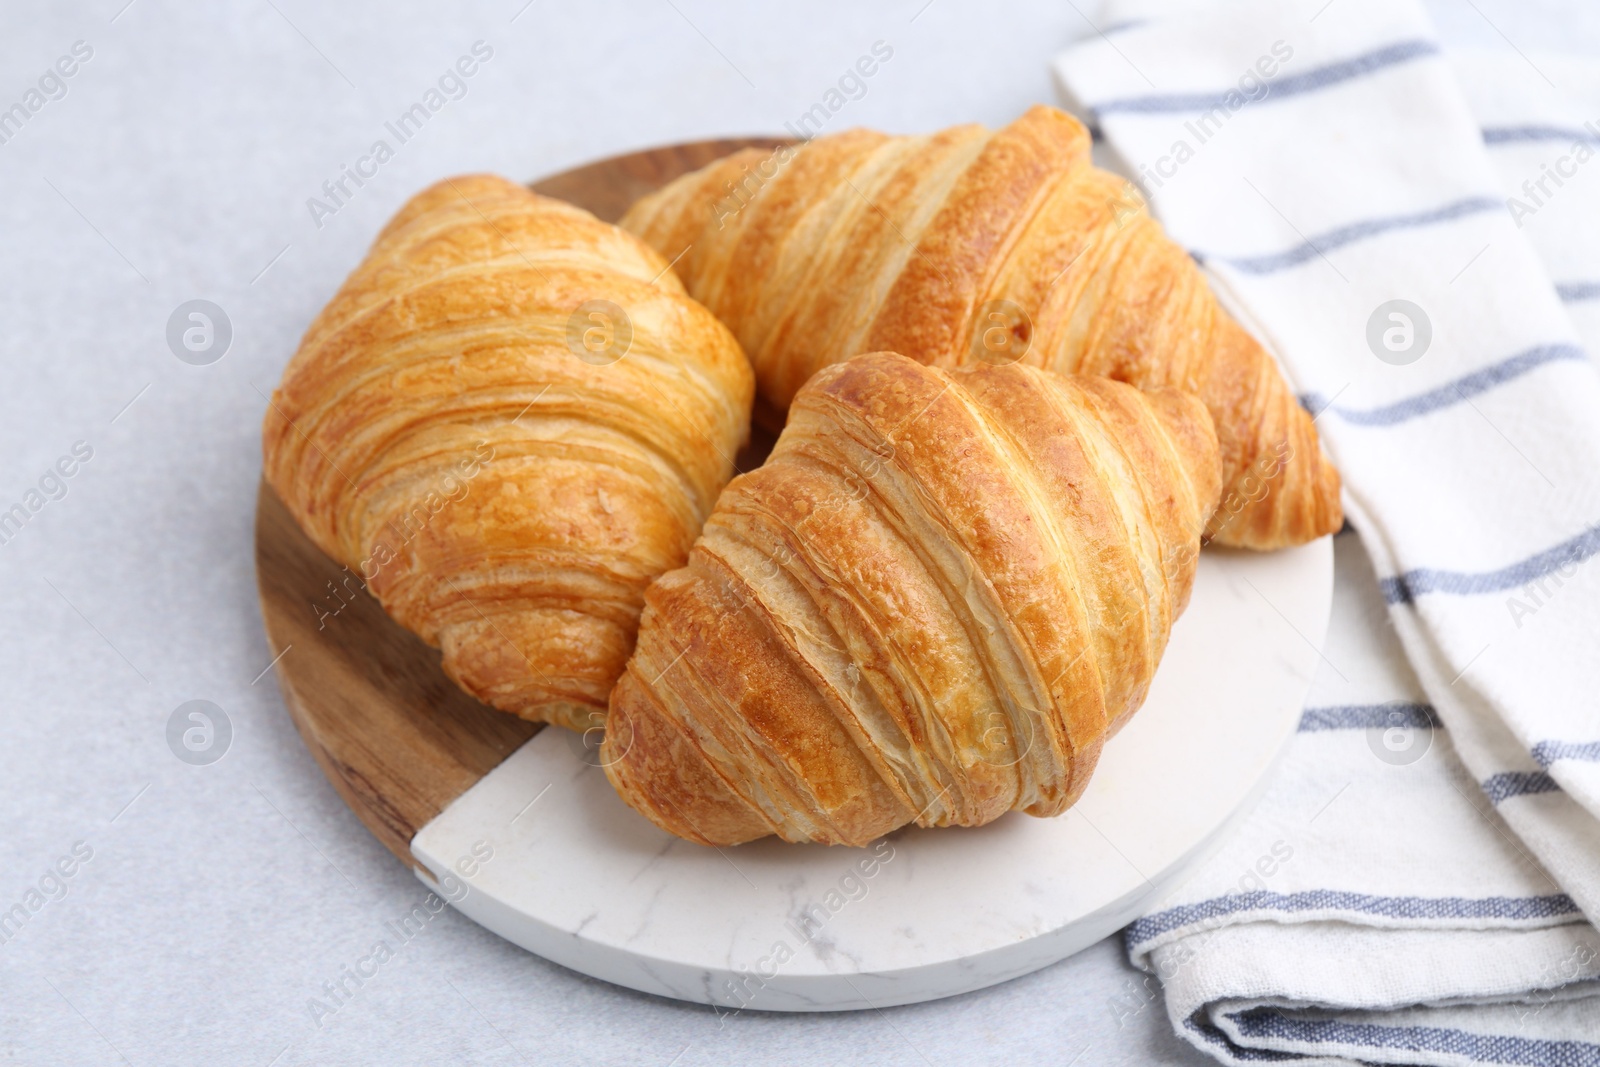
176,163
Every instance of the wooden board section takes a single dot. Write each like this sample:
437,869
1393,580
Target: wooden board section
610,186
396,737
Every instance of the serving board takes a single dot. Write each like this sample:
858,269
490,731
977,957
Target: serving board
520,830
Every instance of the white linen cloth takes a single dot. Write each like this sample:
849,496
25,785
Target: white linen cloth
1541,114
1415,885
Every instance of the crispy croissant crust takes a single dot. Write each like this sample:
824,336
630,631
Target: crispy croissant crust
935,601
860,241
502,497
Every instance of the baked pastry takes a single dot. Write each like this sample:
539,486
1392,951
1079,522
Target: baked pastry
508,421
935,601
971,245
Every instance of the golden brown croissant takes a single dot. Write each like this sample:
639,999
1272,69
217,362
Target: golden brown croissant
933,604
507,462
977,245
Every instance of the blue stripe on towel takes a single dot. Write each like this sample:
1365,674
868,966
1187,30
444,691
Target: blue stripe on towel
1526,134
1405,588
1288,85
1479,381
1510,784
1355,231
1576,292
1547,752
1485,1048
1369,716
1198,1024
1312,900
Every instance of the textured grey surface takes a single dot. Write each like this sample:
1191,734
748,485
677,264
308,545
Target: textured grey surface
177,165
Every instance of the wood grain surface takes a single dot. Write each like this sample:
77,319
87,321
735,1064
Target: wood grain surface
610,186
396,737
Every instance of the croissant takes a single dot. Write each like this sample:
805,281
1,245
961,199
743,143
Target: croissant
971,245
935,601
509,420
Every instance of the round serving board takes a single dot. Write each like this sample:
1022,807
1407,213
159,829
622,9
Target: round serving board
520,830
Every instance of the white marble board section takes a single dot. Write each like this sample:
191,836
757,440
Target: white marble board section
576,876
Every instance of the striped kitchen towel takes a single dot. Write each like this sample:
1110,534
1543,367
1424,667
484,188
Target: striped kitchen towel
1374,906
1415,886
